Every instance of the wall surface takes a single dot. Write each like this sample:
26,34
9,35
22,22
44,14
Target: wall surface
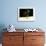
8,13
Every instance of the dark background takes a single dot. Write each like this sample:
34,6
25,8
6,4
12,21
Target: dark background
29,12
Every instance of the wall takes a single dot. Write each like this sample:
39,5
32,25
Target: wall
9,13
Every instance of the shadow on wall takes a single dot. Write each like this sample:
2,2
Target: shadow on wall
2,26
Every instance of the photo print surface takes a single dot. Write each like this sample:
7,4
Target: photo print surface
26,12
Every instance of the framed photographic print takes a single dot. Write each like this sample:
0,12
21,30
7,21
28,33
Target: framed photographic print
26,14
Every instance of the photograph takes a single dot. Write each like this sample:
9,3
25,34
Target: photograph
26,14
